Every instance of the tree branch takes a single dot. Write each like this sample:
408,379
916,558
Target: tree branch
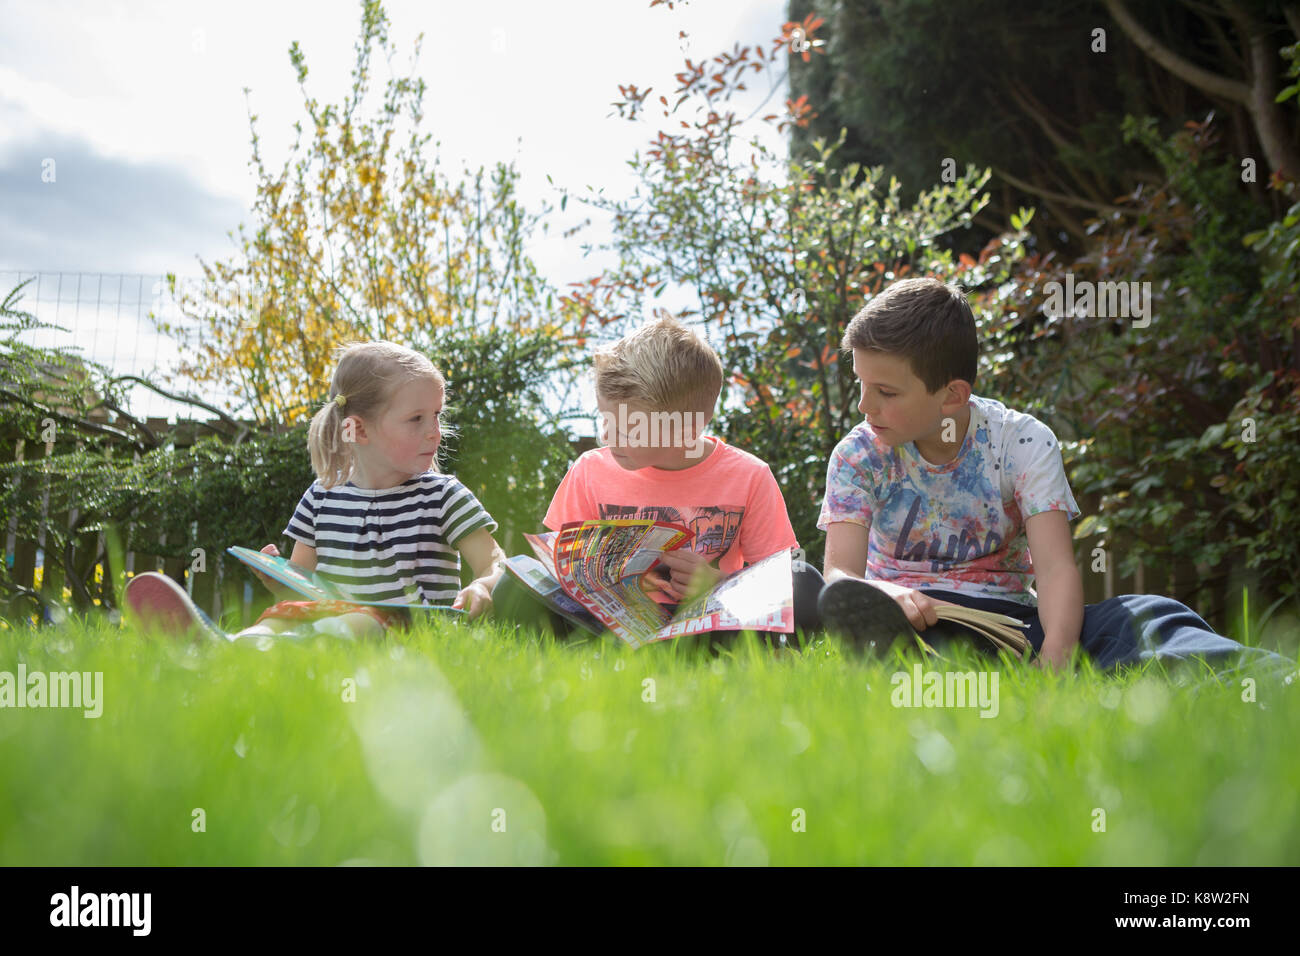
122,413
240,429
1071,225
1187,71
78,422
1037,113
1060,197
1271,123
1292,13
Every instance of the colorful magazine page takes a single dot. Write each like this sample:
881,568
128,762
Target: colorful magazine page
602,565
312,586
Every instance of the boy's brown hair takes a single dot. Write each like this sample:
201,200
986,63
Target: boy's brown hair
926,321
663,365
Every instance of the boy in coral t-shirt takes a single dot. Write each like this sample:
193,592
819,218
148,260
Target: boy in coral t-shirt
656,390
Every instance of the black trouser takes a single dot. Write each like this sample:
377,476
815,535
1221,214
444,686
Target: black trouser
513,602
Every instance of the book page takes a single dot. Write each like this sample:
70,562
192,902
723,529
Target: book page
1002,630
287,573
314,588
959,612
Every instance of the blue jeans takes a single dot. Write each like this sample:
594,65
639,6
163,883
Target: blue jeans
1132,628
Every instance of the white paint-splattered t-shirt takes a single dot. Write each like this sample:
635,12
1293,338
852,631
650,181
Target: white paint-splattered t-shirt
957,526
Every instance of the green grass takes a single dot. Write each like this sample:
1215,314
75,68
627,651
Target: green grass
453,723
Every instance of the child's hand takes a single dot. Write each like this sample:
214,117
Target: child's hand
1051,657
474,598
272,585
686,574
920,608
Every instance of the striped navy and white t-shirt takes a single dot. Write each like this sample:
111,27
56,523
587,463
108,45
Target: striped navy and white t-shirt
390,544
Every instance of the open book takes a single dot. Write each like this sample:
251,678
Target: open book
594,573
1004,631
312,586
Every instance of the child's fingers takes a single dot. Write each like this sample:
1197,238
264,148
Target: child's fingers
262,576
696,585
657,576
474,601
914,615
659,580
926,606
681,559
670,581
667,583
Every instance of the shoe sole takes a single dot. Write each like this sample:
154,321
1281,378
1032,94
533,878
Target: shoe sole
864,615
161,605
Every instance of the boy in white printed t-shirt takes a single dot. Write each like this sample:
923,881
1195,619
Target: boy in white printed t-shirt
941,496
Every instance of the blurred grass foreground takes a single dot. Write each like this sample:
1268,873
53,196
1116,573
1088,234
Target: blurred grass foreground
464,745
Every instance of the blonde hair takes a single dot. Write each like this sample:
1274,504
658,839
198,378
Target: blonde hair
367,375
663,365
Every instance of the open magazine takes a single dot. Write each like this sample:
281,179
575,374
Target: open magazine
600,567
313,586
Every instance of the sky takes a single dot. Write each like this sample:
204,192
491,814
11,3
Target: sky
141,107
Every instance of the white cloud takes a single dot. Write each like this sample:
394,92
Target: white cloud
161,83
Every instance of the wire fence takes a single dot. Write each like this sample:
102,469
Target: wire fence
107,318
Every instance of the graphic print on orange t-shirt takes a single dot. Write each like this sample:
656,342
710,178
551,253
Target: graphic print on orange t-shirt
714,528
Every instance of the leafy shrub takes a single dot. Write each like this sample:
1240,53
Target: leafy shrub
1186,428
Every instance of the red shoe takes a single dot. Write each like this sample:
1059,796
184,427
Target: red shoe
161,605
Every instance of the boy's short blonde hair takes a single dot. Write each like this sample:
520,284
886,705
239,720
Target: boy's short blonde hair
662,365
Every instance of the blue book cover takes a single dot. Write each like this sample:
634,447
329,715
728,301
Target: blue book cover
312,586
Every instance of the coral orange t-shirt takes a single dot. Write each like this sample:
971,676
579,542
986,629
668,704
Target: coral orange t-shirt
730,500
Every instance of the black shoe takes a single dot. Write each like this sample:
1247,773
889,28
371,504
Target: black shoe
864,615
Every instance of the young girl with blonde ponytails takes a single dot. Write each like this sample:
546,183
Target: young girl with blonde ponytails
379,522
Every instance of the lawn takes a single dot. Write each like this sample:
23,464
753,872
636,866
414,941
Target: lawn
464,744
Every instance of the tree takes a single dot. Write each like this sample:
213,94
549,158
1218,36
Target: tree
1255,48
1039,96
356,237
777,256
1185,421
